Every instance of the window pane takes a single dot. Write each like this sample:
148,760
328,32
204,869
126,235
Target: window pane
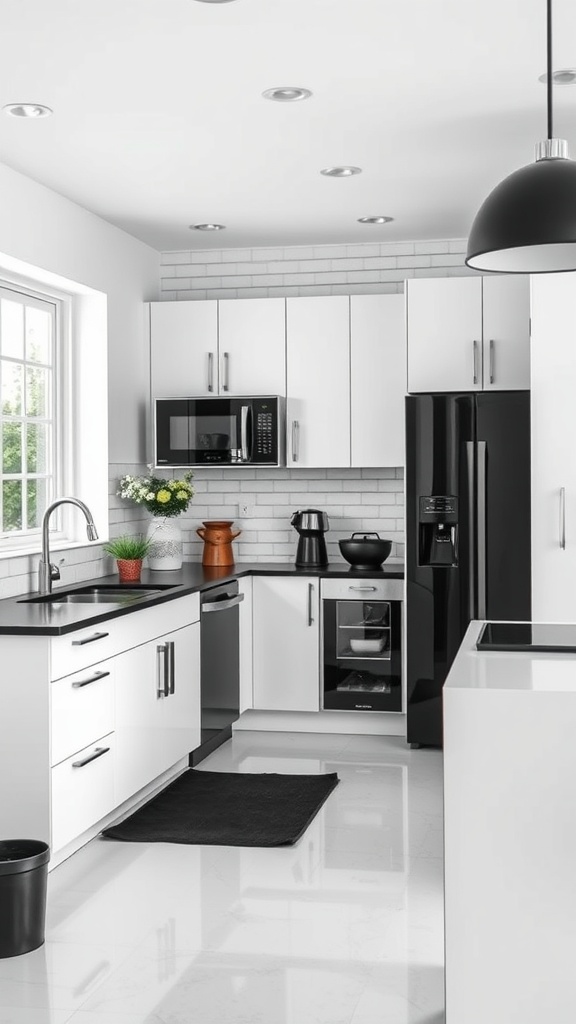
12,505
37,501
37,391
11,388
38,335
12,328
12,447
36,448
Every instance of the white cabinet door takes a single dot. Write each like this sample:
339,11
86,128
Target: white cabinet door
183,349
444,329
378,379
553,461
286,643
318,381
155,727
506,332
252,346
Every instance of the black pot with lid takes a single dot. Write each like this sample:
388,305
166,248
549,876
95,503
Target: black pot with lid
311,524
365,550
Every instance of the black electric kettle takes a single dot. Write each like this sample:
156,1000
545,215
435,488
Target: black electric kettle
311,524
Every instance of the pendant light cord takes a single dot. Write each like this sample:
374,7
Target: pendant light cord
549,62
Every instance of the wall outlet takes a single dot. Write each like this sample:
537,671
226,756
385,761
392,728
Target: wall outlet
244,510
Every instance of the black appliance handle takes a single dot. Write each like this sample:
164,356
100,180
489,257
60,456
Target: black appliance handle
481,526
470,465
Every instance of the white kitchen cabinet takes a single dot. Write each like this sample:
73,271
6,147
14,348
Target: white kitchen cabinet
378,382
183,349
157,708
553,414
252,346
224,347
318,381
286,643
468,333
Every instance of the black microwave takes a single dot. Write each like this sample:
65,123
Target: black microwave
219,432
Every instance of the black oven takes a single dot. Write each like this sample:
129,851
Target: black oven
219,431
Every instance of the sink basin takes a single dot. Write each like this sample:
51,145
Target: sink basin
111,593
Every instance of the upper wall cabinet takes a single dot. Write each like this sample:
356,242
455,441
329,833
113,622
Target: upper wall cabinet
318,381
224,347
378,379
468,333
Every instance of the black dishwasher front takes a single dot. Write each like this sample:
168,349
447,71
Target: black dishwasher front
219,666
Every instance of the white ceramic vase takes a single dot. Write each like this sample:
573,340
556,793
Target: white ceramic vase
165,535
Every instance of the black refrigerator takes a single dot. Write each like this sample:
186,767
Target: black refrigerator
467,533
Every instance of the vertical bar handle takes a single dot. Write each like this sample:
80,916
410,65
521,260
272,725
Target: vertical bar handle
481,521
295,440
470,464
563,518
310,604
475,349
171,664
491,361
210,371
162,683
226,371
244,413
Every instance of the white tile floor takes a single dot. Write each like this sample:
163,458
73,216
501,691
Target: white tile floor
344,928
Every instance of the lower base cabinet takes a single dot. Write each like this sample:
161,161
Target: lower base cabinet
83,790
286,643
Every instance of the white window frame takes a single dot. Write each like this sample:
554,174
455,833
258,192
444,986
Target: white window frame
29,540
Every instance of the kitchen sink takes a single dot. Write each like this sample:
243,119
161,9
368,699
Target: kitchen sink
112,593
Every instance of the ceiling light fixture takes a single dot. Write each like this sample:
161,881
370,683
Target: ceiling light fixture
34,110
340,172
207,227
527,225
564,76
287,93
374,220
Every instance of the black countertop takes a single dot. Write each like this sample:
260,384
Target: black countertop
19,616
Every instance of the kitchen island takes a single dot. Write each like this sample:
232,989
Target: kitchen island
510,835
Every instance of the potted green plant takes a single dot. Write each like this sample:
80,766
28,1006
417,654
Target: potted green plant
129,551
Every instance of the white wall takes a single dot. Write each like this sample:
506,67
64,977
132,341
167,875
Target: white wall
41,229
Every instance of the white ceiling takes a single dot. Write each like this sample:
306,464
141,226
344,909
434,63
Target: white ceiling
159,120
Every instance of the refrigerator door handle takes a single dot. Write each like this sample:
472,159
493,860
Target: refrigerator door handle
481,521
563,518
470,463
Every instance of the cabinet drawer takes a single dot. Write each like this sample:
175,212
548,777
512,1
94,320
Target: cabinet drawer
91,644
362,590
82,791
82,709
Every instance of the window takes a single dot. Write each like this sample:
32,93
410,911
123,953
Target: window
31,367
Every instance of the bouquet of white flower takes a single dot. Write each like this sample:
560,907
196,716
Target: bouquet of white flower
160,497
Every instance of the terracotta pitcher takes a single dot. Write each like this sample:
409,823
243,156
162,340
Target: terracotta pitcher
218,536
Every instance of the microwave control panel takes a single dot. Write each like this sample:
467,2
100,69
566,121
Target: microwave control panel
265,448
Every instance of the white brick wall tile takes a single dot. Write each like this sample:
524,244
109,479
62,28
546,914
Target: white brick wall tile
437,246
205,256
333,277
259,486
317,289
234,255
191,270
171,258
221,293
325,252
236,282
363,250
347,264
314,266
201,282
397,248
458,245
414,261
391,275
291,292
380,263
325,485
428,272
462,271
213,270
266,280
296,279
252,293
451,260
283,267
196,295
360,276
168,296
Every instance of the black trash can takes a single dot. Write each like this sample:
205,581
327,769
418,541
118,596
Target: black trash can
23,880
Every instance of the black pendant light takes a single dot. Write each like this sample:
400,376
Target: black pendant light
527,225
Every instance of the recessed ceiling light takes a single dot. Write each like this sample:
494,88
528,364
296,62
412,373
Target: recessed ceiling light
564,76
374,220
27,110
208,227
287,93
340,172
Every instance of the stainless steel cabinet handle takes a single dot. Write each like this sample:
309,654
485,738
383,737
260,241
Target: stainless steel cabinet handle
310,607
295,440
98,751
363,588
220,606
491,361
475,354
210,371
563,518
244,413
91,679
171,661
162,671
481,527
226,371
89,639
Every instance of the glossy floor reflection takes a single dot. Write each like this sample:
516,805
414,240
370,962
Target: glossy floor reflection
344,928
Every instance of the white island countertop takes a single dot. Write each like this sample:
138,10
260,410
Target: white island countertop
510,835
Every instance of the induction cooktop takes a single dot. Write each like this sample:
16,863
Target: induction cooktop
527,636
